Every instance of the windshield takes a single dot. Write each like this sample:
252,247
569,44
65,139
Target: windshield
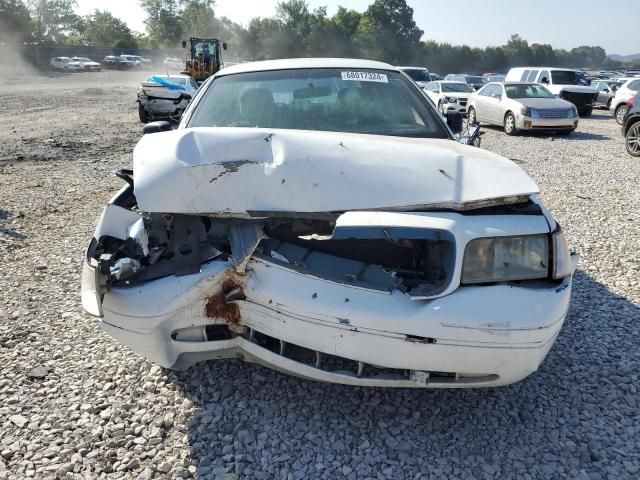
338,100
456,87
84,59
565,77
417,74
471,79
527,90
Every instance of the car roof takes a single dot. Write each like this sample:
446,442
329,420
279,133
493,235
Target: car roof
451,81
301,63
413,68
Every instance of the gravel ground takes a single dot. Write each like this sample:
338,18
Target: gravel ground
76,404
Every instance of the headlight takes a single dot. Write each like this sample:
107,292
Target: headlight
526,111
562,265
573,112
91,288
503,259
452,100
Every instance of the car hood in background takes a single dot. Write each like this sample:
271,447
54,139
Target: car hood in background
552,103
243,172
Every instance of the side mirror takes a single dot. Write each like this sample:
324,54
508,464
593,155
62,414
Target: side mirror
155,127
224,45
454,120
544,80
184,44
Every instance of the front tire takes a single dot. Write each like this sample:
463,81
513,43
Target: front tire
632,140
142,113
510,124
621,111
586,112
472,117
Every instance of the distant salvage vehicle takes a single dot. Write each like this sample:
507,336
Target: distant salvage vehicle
447,95
272,226
87,64
606,91
475,81
165,96
565,83
117,63
619,107
420,75
204,57
522,106
65,64
631,126
139,61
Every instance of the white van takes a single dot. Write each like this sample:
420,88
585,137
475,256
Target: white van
565,83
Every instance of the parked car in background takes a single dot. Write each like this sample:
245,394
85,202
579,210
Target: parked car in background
139,61
173,63
475,81
117,63
420,75
448,95
87,64
435,76
165,96
440,268
565,83
522,106
606,90
619,107
631,126
65,64
498,77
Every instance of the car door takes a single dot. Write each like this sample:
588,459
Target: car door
495,109
603,92
482,103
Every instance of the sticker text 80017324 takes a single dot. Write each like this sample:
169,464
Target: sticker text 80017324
365,76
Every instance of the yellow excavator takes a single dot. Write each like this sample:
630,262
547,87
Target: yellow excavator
204,57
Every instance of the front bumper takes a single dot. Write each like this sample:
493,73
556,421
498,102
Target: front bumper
476,336
529,123
456,107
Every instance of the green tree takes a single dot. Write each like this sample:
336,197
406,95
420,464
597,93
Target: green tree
387,31
54,20
102,29
163,22
15,22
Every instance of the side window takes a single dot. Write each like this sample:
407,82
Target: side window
487,91
525,75
532,75
498,91
430,87
544,74
635,85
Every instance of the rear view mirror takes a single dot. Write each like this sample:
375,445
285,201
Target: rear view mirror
454,120
155,127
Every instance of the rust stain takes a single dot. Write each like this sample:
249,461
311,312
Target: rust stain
222,305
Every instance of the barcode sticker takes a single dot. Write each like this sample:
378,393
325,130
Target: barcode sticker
365,76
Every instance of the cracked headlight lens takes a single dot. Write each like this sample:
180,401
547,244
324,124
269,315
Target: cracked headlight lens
503,259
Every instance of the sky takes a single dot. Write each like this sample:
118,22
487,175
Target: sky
562,23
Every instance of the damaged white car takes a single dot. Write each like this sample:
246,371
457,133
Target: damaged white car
318,217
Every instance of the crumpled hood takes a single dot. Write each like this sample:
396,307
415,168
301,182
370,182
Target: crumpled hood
245,171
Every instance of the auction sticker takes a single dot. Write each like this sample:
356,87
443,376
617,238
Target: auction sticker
365,76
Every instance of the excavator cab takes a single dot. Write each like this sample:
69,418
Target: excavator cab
204,58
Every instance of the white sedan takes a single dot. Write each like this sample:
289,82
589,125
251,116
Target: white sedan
449,95
317,216
87,64
65,64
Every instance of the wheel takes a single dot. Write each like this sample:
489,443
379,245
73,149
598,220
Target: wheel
632,140
471,116
510,124
621,111
142,113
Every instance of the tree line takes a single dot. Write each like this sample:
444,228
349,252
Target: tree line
385,31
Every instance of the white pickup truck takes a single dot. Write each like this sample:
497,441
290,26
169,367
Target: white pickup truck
565,83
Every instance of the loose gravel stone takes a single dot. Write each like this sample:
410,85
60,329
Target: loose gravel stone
95,410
